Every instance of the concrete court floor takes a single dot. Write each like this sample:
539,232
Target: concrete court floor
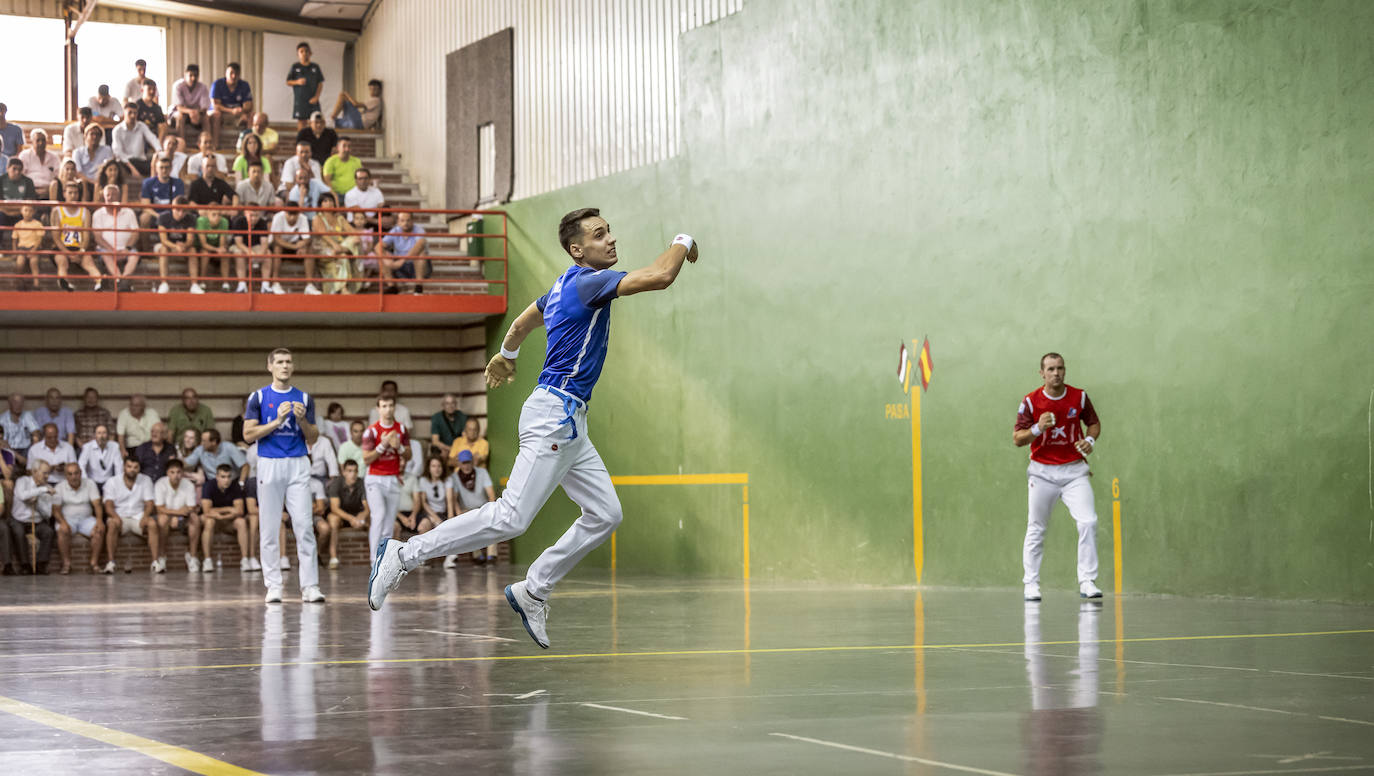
654,675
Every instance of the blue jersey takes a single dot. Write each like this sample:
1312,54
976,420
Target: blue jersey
288,441
577,314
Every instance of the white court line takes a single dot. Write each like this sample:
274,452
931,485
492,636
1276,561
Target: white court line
1331,676
1232,705
631,711
1323,769
530,694
1343,719
893,755
464,635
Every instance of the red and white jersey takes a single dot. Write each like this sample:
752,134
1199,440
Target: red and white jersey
1056,445
388,463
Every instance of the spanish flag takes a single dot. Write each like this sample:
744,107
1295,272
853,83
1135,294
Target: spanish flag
927,366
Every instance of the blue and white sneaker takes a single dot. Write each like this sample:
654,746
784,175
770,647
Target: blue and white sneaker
1088,590
387,571
533,612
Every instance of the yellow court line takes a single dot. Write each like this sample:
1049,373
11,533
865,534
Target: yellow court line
691,652
185,759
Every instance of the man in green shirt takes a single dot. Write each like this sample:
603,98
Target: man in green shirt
210,234
446,425
339,168
190,413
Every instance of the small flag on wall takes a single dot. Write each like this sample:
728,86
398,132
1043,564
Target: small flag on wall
903,365
927,366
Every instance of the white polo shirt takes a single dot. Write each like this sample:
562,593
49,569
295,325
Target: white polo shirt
180,498
76,502
63,454
128,502
369,200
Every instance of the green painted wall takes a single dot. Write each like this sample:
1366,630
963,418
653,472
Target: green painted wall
1176,195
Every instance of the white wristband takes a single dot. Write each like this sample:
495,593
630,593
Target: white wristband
511,354
685,240
1090,441
1036,430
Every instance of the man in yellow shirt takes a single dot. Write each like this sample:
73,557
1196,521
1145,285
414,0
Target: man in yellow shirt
472,440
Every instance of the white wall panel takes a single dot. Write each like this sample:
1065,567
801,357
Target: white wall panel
595,81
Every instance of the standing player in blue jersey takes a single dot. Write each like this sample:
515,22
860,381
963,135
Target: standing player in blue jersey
281,419
554,446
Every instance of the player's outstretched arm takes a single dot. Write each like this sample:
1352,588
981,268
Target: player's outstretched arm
663,271
501,368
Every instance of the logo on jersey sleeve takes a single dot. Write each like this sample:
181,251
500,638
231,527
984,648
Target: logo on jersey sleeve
1073,413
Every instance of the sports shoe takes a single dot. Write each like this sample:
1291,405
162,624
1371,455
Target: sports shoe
266,288
196,288
192,564
152,567
1032,591
241,288
273,596
254,564
224,286
1088,590
533,613
98,284
333,563
109,568
311,290
162,565
277,289
64,285
207,566
285,564
245,565
387,572
312,595
450,561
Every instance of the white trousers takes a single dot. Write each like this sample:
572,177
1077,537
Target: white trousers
554,450
1068,483
383,502
286,481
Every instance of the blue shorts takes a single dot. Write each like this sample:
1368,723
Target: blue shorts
351,118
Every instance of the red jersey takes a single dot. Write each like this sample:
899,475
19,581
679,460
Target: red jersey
388,463
1056,445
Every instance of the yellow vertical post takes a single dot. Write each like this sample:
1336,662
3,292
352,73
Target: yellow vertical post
917,532
613,553
1116,532
745,533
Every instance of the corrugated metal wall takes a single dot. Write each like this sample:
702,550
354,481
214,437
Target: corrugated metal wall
595,81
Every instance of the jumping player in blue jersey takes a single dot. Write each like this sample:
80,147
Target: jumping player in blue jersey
554,446
281,419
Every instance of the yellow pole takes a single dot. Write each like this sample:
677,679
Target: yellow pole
613,553
745,533
1116,532
917,536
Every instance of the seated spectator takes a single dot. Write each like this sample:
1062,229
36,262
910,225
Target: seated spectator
473,442
52,449
213,239
347,507
334,237
40,164
306,191
132,142
129,510
187,445
111,173
333,424
352,450
29,234
472,487
14,185
176,237
92,155
399,254
74,134
340,169
115,234
211,189
178,509
402,413
359,115
105,110
89,416
190,102
306,81
11,134
320,138
324,461
100,459
253,240
251,155
213,453
149,112
446,425
21,429
231,102
158,192
77,509
367,197
254,189
263,130
53,411
153,455
301,161
431,501
32,507
190,413
68,175
195,166
72,238
291,238
134,426
135,86
171,148
222,505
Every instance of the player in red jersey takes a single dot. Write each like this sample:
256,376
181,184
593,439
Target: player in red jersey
1050,420
386,448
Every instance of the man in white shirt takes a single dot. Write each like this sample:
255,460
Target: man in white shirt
114,228
402,414
134,88
40,164
135,423
132,142
195,166
73,134
300,161
52,450
100,458
32,507
129,510
76,509
290,238
105,110
178,509
324,461
366,196
171,148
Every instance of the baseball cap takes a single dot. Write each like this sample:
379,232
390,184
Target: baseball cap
316,115
464,456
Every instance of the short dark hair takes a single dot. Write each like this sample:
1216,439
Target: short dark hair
140,63
233,66
303,45
356,423
193,69
134,458
375,81
90,389
182,200
381,397
278,351
362,170
571,226
15,162
1051,354
333,405
224,467
214,434
84,111
350,462
174,463
391,383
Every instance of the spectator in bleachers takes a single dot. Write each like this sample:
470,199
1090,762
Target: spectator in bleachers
171,148
14,185
28,242
334,237
263,130
333,424
195,166
402,414
21,429
77,509
40,164
232,102
52,411
320,138
254,188
324,461
405,243
190,102
134,426
252,247
472,441
175,237
446,425
177,502
115,234
190,413
32,507
306,190
70,239
306,81
290,238
105,110
150,113
94,153
134,88
340,169
68,176
300,161
431,501
152,456
212,452
251,155
158,191
52,449
132,142
101,457
74,134
210,189
359,115
347,507
214,242
472,487
111,173
90,415
222,504
186,446
12,134
129,510
352,450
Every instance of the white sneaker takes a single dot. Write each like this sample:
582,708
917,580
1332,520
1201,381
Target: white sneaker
312,595
387,572
450,561
224,286
153,568
241,288
1088,590
192,564
266,288
196,289
245,565
162,565
109,568
273,596
1032,592
285,564
533,613
333,563
254,564
311,290
163,288
207,566
277,289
